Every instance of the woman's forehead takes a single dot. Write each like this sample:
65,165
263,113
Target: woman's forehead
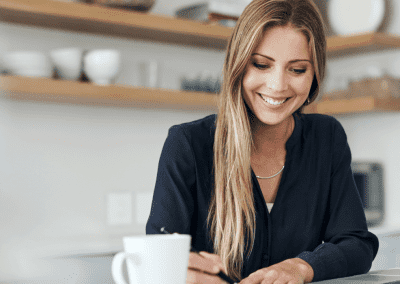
284,43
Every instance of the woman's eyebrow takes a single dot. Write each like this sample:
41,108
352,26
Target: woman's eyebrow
291,61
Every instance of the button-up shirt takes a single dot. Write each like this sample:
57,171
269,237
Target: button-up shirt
317,214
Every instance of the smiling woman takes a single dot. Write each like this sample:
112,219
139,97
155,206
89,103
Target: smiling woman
264,189
278,77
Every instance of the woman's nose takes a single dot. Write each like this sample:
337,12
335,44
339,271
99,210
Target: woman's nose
277,81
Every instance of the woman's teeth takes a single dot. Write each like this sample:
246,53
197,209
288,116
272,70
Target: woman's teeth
271,101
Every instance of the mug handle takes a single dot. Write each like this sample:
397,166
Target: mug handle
116,268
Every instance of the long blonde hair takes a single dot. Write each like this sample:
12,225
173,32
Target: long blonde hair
231,216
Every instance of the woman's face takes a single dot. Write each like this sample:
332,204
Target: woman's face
279,75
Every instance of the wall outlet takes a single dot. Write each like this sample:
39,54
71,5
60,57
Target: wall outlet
119,208
143,206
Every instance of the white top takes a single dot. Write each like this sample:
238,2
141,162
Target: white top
270,205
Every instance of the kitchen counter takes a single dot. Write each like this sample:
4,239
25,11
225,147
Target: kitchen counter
374,277
87,259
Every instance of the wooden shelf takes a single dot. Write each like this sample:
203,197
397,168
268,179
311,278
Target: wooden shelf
62,91
355,105
94,19
87,18
362,43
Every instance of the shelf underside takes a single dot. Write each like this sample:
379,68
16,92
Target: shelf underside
89,18
61,91
86,18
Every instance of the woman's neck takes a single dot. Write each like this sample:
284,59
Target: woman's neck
271,138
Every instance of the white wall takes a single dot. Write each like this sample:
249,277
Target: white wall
58,162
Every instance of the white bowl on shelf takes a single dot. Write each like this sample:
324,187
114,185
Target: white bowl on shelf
101,66
28,63
349,17
68,62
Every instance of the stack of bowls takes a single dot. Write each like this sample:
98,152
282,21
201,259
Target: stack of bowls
28,63
101,66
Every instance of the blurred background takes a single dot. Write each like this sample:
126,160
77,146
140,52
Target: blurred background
79,153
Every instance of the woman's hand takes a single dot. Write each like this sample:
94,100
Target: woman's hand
203,268
290,271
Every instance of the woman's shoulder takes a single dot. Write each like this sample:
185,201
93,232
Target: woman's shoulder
318,121
205,122
317,118
200,129
322,126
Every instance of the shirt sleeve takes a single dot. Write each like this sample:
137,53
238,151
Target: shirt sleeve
172,205
348,248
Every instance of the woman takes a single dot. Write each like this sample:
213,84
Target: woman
219,176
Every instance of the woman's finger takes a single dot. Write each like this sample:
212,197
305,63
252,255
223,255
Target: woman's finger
197,277
262,276
215,258
199,262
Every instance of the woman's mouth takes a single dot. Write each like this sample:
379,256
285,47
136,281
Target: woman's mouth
273,101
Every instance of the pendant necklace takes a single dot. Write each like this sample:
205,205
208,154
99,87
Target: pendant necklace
277,172
272,175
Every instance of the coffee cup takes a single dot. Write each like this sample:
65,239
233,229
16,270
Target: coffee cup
101,66
153,259
68,62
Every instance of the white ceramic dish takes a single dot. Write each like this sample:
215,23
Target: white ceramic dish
28,63
68,62
349,17
101,66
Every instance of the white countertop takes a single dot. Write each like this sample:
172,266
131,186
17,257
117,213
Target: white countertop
103,245
372,277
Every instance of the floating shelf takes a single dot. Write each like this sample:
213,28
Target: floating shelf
362,43
63,91
89,18
355,105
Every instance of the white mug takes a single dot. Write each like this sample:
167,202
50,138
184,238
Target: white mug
68,62
153,259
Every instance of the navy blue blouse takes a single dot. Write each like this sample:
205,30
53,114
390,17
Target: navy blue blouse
317,215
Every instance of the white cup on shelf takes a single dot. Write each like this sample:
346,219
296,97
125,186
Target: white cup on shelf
68,62
153,259
101,66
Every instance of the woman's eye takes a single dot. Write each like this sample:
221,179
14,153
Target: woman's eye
299,71
260,66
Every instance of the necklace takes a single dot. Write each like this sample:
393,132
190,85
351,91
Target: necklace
290,127
273,175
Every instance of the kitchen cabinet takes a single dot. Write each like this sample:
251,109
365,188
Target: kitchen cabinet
87,18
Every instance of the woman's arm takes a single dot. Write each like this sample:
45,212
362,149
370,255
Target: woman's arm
172,205
348,248
203,268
